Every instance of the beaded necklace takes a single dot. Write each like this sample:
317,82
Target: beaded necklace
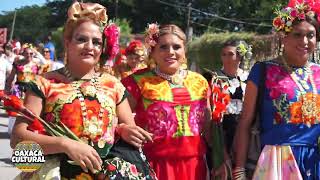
176,78
92,127
309,106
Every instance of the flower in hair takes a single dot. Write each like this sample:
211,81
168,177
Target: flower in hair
135,47
244,50
112,33
285,17
152,33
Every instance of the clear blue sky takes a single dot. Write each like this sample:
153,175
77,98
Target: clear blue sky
10,5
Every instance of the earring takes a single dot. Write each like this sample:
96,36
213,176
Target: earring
281,49
184,63
65,60
316,54
151,63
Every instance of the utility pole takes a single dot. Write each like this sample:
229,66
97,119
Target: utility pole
116,9
189,28
12,26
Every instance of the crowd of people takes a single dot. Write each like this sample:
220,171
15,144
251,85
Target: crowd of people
150,117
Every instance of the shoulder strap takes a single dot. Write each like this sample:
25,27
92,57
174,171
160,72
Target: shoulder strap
261,88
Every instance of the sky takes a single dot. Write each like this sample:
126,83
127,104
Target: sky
10,5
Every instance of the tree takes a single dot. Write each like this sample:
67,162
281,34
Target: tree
31,22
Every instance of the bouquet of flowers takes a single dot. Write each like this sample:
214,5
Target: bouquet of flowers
220,98
14,107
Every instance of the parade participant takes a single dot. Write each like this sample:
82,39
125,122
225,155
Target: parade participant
90,104
135,55
24,70
289,106
8,53
6,66
49,45
171,102
49,65
233,53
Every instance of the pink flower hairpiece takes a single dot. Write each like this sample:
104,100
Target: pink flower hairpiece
112,33
295,9
152,33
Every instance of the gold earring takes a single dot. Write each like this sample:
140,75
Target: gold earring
184,63
65,60
151,63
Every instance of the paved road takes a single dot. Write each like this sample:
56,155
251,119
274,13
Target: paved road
7,169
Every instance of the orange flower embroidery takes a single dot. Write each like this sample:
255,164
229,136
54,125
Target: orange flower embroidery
155,88
84,176
296,109
296,113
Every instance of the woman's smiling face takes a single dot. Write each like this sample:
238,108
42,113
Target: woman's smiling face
169,53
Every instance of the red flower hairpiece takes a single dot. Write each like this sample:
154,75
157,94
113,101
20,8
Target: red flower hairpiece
135,47
112,33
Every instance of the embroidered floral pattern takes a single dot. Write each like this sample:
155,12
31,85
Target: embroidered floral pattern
161,111
162,121
117,168
155,88
286,97
197,87
62,102
84,176
279,82
197,117
26,72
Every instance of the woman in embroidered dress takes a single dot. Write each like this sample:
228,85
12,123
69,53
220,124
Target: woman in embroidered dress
135,55
171,103
24,70
289,119
89,103
232,54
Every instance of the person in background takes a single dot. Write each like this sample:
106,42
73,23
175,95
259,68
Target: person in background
289,110
135,55
24,70
49,44
8,53
233,53
5,70
49,65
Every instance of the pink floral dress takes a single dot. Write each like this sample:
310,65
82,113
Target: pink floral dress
175,115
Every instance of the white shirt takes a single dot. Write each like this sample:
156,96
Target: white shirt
5,69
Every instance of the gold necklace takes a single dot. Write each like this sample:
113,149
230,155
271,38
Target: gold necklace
309,106
176,78
92,127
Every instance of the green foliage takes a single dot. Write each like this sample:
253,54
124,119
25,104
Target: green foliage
31,22
57,38
205,50
125,30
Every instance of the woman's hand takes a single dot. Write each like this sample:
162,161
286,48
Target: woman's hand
83,154
134,135
221,172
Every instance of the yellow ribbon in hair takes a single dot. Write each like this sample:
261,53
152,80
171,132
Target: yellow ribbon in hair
93,11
